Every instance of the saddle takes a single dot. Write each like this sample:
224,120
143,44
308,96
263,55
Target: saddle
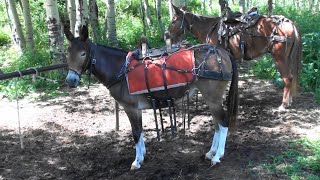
146,52
234,22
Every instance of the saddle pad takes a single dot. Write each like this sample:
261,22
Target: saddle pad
136,76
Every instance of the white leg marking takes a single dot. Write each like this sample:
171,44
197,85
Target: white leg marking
214,145
290,100
140,152
223,132
282,108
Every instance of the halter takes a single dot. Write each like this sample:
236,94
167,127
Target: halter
90,60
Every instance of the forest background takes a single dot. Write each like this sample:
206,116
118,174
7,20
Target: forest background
29,39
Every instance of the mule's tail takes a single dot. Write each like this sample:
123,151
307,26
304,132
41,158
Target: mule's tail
296,60
233,96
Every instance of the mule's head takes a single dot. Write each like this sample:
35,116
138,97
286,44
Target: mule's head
177,25
77,56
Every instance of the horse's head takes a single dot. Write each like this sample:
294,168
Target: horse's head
78,55
177,26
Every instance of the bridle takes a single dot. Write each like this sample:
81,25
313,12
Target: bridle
183,26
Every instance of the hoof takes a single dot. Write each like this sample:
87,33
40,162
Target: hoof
214,163
209,155
282,108
133,168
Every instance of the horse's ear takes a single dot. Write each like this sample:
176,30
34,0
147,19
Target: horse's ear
67,32
84,33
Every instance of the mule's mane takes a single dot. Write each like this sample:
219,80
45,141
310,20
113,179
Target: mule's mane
113,50
203,18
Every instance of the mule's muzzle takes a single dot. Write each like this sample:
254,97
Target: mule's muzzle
72,79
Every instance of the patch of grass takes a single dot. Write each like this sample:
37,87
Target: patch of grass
300,161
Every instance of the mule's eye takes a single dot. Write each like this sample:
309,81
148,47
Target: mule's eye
83,54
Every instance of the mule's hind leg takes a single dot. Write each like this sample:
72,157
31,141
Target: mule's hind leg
135,117
218,144
213,97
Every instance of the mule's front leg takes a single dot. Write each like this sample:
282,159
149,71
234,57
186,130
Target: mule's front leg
135,117
140,152
218,145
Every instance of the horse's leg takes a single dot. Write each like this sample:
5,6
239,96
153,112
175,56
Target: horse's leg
213,98
282,64
135,117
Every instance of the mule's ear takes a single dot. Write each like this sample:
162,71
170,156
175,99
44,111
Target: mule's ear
67,32
84,33
176,10
184,8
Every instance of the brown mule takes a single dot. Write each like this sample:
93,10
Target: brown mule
107,65
276,35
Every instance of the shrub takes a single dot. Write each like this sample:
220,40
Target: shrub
4,39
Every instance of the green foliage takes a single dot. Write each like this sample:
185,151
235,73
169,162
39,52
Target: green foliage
26,84
4,39
310,77
300,161
264,68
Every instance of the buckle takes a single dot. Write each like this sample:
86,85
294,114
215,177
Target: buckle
94,61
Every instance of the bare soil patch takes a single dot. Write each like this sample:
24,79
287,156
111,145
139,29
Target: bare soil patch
73,137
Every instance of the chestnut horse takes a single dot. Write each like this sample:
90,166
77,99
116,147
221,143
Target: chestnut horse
107,65
276,35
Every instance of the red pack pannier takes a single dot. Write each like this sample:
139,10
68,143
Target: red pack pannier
178,72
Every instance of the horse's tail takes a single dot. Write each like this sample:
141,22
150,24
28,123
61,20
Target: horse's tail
233,95
296,59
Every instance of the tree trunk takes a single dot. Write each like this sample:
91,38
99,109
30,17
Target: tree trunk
143,17
12,27
270,7
94,19
147,12
17,25
317,6
242,5
111,21
210,5
72,14
223,4
55,34
311,4
204,7
104,34
81,15
28,23
158,9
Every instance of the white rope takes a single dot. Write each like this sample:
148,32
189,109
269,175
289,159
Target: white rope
18,111
34,76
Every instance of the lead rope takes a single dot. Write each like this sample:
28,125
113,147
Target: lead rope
18,112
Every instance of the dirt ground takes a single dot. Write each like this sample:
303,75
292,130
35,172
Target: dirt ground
74,137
